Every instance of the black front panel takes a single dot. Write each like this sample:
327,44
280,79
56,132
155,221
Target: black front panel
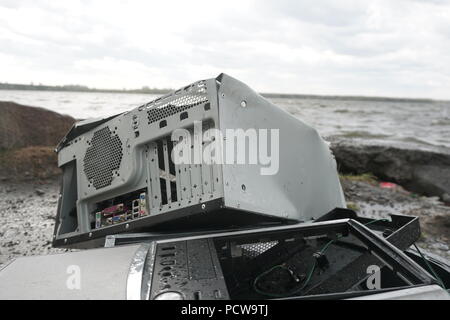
300,261
190,268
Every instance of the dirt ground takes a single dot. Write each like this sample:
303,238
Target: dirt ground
27,213
369,199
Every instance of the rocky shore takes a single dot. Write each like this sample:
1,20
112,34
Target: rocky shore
27,213
28,137
424,172
23,126
371,199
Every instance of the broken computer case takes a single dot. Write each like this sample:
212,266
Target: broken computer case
119,174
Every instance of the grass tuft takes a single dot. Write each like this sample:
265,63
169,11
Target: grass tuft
365,177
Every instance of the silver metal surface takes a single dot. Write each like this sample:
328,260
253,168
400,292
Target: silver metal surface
134,280
101,274
433,292
306,185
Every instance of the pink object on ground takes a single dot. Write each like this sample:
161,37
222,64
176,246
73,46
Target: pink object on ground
388,185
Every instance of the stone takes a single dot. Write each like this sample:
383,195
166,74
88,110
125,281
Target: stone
440,246
421,171
446,198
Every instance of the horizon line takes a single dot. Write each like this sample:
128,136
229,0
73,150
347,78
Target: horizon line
155,91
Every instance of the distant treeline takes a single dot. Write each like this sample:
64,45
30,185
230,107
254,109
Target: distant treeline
78,88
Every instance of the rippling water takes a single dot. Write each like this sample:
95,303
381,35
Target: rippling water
413,124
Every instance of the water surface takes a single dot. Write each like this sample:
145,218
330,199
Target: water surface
413,124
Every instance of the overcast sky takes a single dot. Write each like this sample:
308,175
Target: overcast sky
395,48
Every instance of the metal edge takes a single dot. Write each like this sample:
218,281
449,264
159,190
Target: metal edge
6,264
64,240
401,262
134,280
147,277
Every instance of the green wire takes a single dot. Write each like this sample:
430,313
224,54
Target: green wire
438,279
261,275
311,271
373,221
285,294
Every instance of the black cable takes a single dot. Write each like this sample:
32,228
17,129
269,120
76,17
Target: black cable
310,273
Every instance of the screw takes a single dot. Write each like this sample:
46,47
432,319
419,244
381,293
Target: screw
203,206
243,104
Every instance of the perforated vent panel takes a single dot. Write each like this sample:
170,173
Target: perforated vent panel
253,250
103,158
178,102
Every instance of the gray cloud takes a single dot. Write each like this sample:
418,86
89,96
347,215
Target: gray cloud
394,48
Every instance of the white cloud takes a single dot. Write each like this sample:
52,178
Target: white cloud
379,47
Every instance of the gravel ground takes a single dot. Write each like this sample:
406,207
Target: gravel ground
369,200
27,213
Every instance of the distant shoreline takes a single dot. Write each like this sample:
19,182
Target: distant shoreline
147,90
78,88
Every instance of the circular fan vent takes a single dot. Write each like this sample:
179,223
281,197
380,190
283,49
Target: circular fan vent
103,158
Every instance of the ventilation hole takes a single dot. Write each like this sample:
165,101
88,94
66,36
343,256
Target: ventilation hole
166,255
103,158
253,250
163,124
173,104
197,295
184,115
